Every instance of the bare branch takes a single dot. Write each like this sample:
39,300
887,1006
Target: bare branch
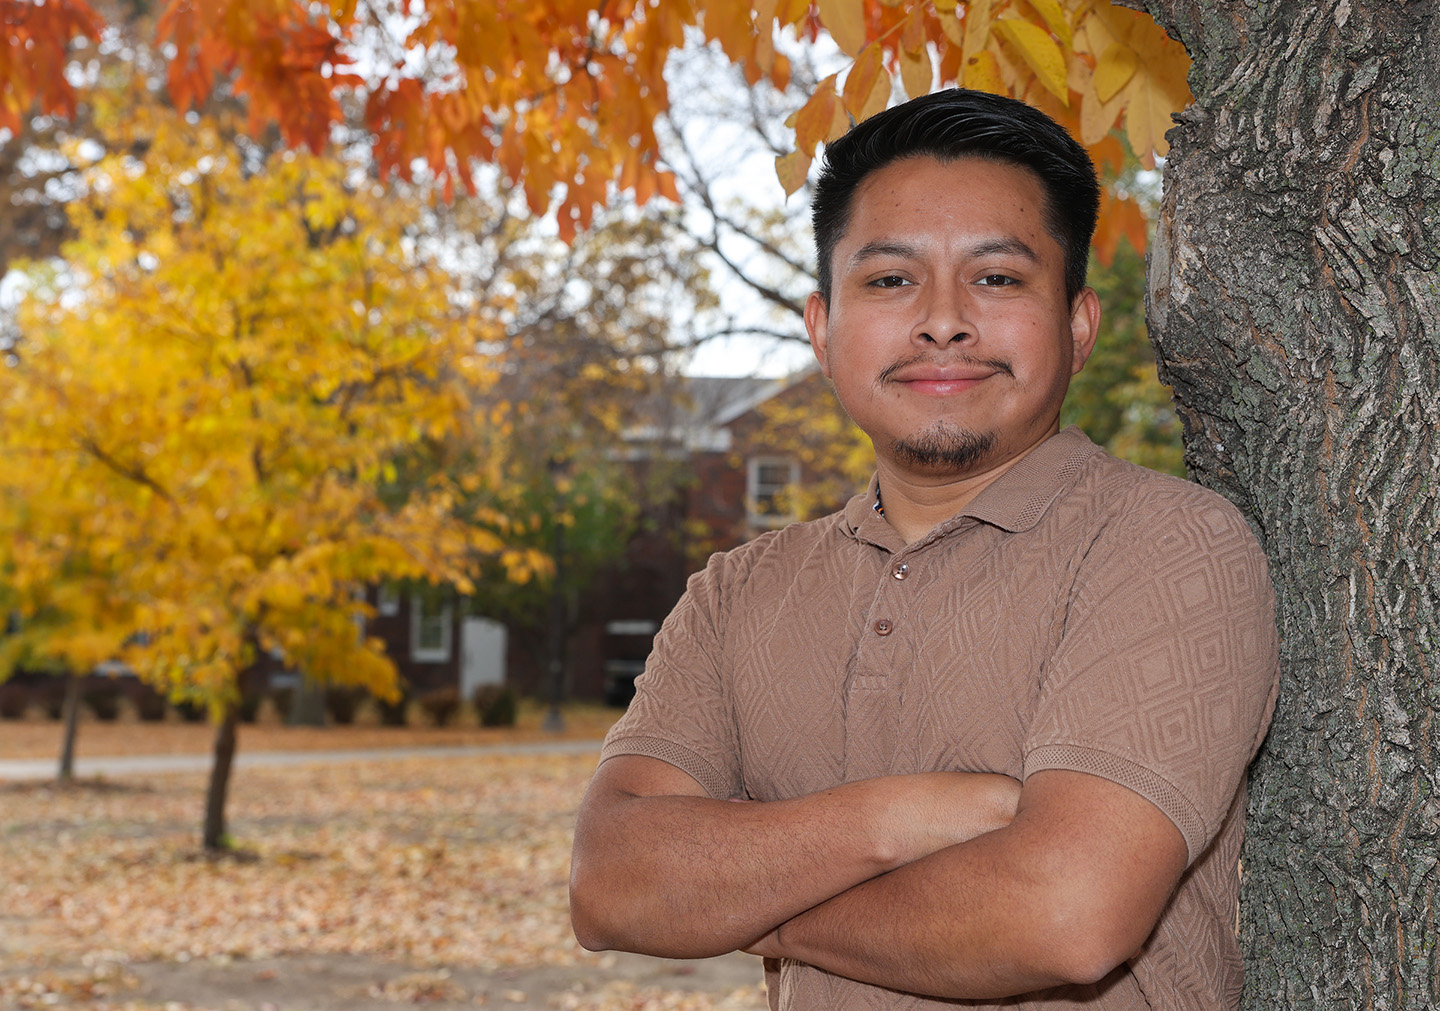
748,331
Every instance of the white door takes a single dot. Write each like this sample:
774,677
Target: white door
482,654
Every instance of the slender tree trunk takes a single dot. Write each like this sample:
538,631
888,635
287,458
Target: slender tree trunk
214,838
1295,306
70,713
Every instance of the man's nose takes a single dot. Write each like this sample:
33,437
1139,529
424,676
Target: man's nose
946,318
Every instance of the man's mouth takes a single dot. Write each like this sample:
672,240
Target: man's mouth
943,379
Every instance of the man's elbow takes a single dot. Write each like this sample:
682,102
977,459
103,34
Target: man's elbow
588,931
591,912
591,935
1082,945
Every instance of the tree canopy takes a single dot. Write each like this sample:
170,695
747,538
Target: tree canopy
564,95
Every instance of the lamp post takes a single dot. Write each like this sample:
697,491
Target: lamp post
555,719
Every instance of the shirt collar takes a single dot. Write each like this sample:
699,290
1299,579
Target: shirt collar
1014,502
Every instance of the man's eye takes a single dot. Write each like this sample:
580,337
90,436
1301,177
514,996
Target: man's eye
890,281
997,280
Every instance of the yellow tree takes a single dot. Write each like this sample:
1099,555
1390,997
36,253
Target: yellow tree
204,414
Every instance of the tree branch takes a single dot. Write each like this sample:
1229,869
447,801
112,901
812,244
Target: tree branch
135,474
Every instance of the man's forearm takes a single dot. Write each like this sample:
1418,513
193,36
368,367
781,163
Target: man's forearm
1055,897
952,924
688,876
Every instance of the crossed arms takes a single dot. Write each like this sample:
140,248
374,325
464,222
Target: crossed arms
946,884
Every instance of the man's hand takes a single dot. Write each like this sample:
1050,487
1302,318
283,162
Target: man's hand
662,869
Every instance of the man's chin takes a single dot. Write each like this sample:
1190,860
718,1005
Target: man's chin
943,450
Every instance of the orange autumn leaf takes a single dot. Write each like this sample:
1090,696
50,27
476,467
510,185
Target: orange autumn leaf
587,92
868,86
1119,218
845,20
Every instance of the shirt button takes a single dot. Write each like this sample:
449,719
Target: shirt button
883,627
900,571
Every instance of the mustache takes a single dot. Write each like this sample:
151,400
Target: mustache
960,358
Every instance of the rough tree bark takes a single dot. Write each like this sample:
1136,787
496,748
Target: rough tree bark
1295,307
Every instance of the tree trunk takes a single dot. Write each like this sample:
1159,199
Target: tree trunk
70,713
214,838
1295,308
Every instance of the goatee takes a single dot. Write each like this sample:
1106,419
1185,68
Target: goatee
943,448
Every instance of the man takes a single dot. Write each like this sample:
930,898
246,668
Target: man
989,724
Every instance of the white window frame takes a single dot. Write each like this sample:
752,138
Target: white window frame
421,653
387,600
754,490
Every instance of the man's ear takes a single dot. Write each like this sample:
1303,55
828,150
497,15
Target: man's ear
817,325
1084,327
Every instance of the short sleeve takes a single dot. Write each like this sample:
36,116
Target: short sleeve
1166,673
681,712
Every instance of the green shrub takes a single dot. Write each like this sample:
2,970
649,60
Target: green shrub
149,704
102,696
191,712
343,703
394,714
14,700
496,705
442,706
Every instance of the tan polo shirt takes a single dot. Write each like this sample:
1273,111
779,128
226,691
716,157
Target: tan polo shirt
1081,613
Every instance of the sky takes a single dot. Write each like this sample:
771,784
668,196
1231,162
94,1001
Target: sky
713,108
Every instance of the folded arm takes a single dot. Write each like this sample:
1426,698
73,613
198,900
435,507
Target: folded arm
1067,891
661,868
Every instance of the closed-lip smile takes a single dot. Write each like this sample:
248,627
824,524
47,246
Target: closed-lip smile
936,379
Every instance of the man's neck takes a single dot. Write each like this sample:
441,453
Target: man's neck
916,503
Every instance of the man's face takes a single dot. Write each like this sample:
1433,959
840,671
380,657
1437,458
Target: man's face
948,335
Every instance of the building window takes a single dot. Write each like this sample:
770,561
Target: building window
430,630
766,478
387,600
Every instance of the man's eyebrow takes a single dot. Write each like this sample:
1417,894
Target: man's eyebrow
884,247
1007,246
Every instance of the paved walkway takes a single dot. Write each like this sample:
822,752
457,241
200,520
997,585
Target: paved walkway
118,765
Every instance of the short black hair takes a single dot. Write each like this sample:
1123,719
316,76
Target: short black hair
961,123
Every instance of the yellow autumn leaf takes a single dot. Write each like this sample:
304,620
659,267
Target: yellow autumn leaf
982,72
1053,14
979,15
1097,117
950,26
1144,108
1038,50
916,72
1114,70
845,21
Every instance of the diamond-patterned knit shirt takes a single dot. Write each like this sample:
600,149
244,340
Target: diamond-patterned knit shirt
1081,613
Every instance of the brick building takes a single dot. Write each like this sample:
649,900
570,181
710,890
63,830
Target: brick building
732,484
